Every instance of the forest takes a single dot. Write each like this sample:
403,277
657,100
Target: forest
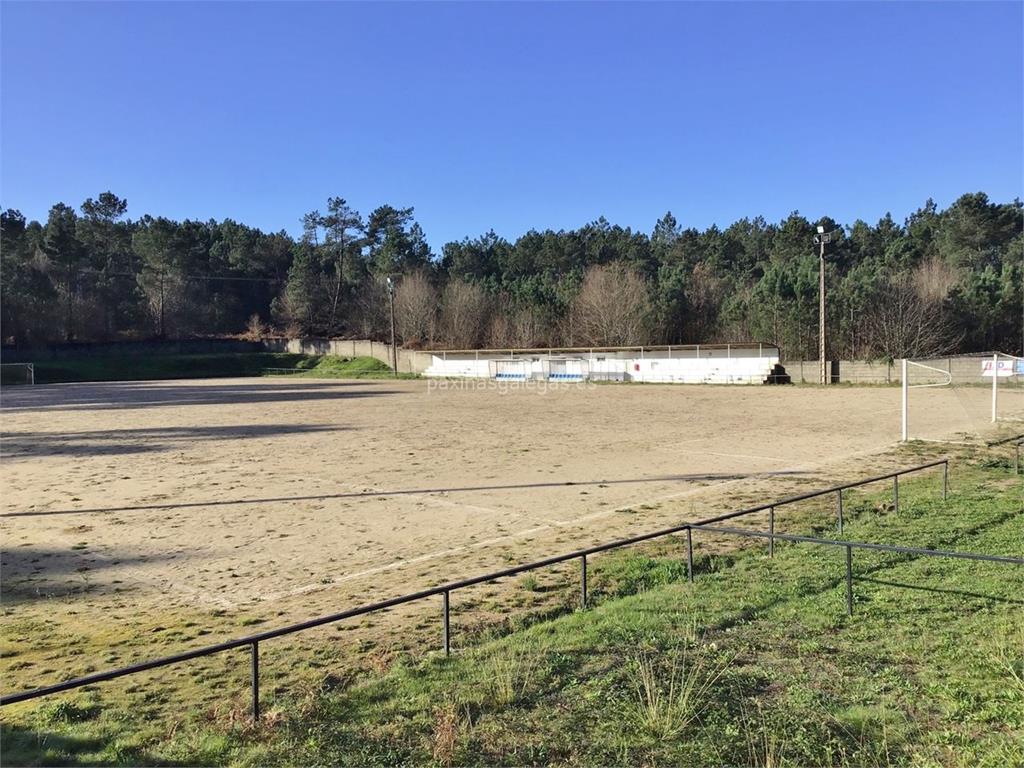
940,282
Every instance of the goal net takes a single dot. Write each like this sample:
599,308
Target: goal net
567,369
510,370
17,373
960,397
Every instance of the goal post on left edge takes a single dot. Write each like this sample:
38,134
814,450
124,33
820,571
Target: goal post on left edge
9,373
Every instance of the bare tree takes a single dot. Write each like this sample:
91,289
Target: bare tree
515,326
906,324
612,308
371,319
465,309
934,278
416,310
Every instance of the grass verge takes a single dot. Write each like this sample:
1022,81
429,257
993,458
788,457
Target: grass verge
756,663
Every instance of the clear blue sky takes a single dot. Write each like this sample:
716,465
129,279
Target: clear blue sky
511,116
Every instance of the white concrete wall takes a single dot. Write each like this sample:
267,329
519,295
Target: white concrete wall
652,367
710,370
458,368
609,366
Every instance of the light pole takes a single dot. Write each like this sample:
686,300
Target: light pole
391,303
821,239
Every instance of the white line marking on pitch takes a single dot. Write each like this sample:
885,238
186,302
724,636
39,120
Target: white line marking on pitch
736,456
498,539
400,563
537,529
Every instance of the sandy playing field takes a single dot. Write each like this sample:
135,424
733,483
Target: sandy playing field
283,499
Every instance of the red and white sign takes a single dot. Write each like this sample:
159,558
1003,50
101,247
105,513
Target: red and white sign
1005,368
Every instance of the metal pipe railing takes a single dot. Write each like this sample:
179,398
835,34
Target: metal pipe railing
852,545
445,590
1018,441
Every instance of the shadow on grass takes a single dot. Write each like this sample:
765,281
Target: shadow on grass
939,590
31,573
23,746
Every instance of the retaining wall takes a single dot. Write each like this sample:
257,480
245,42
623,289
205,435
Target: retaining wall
965,370
409,361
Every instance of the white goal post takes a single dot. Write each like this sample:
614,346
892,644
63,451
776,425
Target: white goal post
9,370
1000,366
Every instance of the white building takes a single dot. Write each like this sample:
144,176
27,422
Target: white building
745,363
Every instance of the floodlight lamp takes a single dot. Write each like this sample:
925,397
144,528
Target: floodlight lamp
821,230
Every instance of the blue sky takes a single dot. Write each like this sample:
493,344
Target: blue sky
511,116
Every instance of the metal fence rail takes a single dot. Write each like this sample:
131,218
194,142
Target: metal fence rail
252,642
850,546
1018,441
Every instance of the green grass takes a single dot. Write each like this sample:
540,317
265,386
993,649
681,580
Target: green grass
330,366
140,368
756,663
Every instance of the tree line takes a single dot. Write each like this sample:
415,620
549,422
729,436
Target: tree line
943,281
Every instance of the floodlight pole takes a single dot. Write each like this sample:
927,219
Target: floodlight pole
391,304
821,311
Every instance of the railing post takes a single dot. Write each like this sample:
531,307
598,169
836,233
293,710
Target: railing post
255,658
945,480
689,554
771,531
896,492
839,501
446,632
583,581
849,580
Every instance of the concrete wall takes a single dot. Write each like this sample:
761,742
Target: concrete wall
964,369
409,361
654,366
736,370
